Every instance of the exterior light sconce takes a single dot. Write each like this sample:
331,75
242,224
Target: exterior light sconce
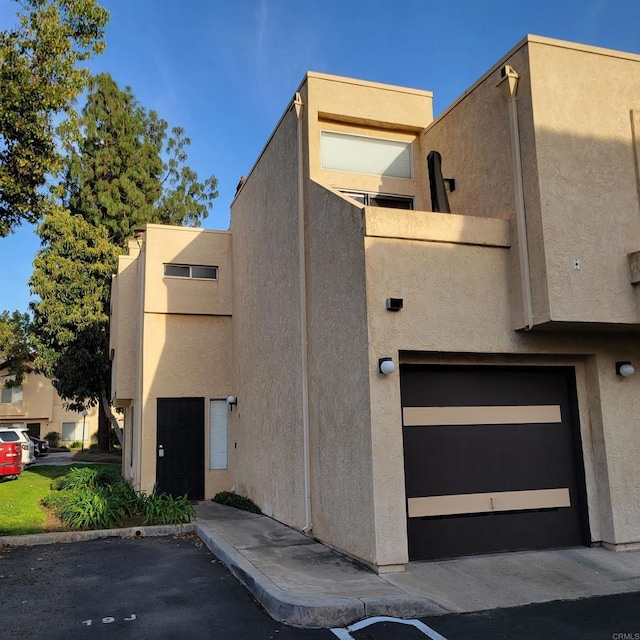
232,401
624,369
386,366
394,304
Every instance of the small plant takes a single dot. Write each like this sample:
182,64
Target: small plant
90,509
93,446
161,508
85,478
231,499
76,444
53,438
130,501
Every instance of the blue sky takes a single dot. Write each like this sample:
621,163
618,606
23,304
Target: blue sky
226,69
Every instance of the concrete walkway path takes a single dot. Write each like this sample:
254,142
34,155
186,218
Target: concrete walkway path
303,583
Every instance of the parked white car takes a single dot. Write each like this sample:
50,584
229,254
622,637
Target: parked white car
28,451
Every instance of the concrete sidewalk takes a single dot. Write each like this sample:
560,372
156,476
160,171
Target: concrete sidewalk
303,583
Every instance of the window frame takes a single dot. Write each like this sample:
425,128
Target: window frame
215,453
348,134
12,392
368,195
191,267
77,425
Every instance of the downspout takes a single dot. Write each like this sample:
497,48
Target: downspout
302,259
509,86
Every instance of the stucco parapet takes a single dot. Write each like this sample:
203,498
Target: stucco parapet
366,83
436,227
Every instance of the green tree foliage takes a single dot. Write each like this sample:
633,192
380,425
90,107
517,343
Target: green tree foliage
71,276
15,345
122,172
116,175
39,78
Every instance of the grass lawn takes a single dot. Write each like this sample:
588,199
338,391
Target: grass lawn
20,508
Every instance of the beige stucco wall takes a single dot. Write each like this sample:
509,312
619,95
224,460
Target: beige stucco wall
340,415
123,336
185,356
173,339
580,175
186,245
582,102
456,309
41,404
371,109
37,400
268,420
474,139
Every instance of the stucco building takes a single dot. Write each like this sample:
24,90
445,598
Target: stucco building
503,422
37,406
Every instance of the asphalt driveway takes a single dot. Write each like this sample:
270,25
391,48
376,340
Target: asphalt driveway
167,587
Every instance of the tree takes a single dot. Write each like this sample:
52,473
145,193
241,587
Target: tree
71,322
15,345
115,181
40,78
116,176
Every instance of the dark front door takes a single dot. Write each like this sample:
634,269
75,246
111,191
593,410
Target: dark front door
493,460
180,447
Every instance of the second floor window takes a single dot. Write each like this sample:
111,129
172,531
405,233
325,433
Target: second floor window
11,396
192,271
364,154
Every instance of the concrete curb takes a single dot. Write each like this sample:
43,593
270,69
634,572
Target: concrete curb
294,609
309,611
56,537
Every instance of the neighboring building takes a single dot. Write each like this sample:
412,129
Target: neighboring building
504,424
37,406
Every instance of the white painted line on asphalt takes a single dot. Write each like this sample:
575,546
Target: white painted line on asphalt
344,633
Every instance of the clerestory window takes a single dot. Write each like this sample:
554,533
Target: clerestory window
191,271
366,155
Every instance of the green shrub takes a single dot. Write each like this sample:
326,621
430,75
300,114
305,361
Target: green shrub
98,498
231,499
93,446
130,501
92,508
161,508
86,478
53,438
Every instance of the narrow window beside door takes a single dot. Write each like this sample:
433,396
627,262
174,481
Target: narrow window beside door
218,434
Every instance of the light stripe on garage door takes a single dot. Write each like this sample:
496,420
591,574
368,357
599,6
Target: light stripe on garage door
445,416
488,502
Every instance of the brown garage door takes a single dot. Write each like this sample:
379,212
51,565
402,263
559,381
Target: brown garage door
493,460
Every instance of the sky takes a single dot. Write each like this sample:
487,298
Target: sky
225,70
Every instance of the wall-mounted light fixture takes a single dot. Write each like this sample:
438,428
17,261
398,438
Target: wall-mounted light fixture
386,366
394,304
232,401
624,369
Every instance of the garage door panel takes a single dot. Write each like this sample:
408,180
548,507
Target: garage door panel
483,458
527,473
470,386
492,533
